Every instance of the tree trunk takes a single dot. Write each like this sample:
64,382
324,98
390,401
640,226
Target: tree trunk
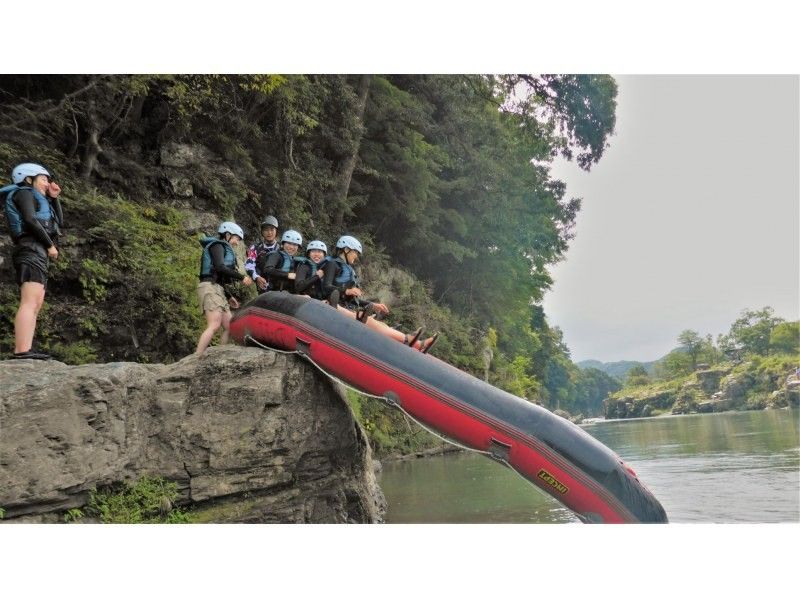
92,148
349,165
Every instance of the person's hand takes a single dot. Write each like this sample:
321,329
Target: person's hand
380,308
233,302
247,281
291,276
321,273
261,282
53,190
354,292
52,252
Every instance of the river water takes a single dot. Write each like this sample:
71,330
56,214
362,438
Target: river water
711,468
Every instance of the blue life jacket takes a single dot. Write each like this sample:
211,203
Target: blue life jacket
286,264
347,276
44,212
206,265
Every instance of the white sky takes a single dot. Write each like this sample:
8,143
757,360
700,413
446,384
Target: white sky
690,216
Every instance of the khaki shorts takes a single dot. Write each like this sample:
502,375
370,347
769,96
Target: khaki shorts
212,298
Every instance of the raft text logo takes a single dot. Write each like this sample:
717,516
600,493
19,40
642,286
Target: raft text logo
551,481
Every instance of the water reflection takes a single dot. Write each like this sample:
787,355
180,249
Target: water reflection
732,467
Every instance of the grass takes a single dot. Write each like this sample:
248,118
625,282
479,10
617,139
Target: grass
149,500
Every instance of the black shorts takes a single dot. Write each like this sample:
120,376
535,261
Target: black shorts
30,263
28,273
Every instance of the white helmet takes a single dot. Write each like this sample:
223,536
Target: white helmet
232,228
292,236
350,243
21,171
317,245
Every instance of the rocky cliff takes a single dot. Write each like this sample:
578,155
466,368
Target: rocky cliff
752,385
248,435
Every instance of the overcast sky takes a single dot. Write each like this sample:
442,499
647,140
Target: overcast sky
690,216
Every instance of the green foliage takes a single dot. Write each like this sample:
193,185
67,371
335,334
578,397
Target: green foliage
785,338
637,376
677,363
73,515
2,512
149,500
94,276
692,344
750,333
592,387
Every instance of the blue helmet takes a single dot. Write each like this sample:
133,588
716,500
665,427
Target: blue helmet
317,245
292,236
232,228
350,243
20,171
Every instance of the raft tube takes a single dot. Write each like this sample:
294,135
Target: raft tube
554,454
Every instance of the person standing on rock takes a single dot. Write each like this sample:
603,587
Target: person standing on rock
35,219
218,267
268,244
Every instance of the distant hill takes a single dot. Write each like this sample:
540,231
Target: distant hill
617,369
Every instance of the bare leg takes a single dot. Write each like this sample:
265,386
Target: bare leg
377,326
226,325
214,321
30,302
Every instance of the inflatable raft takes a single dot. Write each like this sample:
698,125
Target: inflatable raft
554,454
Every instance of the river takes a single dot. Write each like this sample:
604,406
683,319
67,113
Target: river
714,468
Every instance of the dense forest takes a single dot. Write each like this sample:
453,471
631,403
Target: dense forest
445,178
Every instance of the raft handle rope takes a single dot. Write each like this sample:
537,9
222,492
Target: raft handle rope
392,401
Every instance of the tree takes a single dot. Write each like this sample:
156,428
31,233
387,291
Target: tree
785,338
692,343
637,376
751,331
592,387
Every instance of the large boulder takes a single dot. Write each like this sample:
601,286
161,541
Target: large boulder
248,435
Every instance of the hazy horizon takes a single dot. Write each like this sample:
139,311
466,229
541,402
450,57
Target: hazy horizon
690,217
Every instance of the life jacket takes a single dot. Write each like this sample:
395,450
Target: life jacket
44,212
206,265
285,265
347,277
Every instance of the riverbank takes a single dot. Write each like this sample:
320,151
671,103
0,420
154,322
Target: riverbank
756,384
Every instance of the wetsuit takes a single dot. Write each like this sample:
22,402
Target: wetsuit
337,280
276,267
307,282
30,251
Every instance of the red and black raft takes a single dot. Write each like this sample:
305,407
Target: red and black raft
553,453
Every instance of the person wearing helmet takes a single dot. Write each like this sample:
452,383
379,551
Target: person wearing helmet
279,266
268,244
340,286
310,270
218,267
34,215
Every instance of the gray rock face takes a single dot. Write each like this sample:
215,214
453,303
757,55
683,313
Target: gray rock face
248,435
180,155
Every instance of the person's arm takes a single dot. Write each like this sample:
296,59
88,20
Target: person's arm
217,252
271,267
306,276
53,193
27,209
331,269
